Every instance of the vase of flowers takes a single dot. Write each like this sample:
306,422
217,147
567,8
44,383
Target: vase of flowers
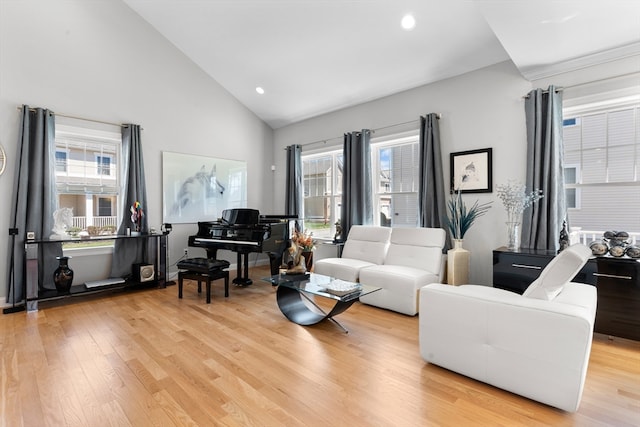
459,220
136,217
305,241
516,199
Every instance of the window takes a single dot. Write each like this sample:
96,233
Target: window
61,161
602,165
395,167
395,186
322,182
104,165
87,174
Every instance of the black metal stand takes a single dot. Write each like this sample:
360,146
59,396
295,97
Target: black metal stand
13,232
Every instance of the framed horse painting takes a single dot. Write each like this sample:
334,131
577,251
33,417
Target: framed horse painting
197,188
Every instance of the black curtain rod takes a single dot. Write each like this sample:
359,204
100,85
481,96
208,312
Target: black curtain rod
558,89
83,119
439,116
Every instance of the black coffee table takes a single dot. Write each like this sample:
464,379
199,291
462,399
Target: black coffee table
294,290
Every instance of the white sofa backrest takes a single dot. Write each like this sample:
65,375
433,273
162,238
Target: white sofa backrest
367,243
417,247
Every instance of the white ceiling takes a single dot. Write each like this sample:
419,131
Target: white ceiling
316,56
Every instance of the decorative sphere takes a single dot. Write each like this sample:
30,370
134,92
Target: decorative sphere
598,247
633,251
617,251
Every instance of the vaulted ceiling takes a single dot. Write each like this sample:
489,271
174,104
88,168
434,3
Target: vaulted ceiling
316,56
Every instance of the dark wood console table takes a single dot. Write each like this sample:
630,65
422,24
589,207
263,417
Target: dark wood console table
617,280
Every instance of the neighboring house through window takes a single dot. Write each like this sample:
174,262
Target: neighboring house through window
602,165
87,171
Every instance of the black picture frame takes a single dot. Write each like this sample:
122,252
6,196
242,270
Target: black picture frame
472,171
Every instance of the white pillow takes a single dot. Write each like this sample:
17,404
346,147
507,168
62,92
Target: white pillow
559,271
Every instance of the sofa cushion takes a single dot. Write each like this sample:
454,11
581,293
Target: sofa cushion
400,286
367,243
341,268
558,272
417,247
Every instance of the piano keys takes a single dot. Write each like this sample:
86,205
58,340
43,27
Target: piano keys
244,231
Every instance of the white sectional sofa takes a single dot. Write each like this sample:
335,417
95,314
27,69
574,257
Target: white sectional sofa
398,260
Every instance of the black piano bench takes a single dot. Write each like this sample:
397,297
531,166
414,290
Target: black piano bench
200,269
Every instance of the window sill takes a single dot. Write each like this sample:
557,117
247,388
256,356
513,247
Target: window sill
80,252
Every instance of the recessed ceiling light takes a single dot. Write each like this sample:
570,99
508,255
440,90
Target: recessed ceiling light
408,22
260,90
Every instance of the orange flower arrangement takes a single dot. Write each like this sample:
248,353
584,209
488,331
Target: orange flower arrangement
304,240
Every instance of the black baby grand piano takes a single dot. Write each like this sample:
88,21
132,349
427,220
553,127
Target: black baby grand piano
244,231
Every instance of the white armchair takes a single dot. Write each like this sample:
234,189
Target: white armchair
536,344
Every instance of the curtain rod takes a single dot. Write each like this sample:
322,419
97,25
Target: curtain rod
83,118
560,89
438,115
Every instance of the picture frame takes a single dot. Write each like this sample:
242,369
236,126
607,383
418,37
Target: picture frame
472,171
198,188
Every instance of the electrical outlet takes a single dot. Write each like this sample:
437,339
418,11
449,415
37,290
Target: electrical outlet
186,252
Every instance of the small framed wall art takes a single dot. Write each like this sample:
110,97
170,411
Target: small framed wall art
472,171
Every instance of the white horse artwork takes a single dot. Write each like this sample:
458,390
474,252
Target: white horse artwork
62,221
200,186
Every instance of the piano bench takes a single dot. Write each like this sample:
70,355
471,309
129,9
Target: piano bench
200,269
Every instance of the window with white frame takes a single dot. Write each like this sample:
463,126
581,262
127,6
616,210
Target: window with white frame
602,165
395,168
395,185
87,177
322,183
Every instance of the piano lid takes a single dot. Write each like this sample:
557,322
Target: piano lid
240,216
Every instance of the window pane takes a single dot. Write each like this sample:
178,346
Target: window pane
570,194
594,168
621,164
601,210
621,128
404,210
61,161
594,131
570,175
571,137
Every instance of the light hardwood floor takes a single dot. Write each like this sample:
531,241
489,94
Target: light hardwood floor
149,359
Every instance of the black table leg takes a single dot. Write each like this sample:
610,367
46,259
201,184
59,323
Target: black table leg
292,305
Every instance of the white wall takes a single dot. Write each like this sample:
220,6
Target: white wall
98,59
481,109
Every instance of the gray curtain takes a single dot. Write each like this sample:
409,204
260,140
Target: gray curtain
293,204
432,201
357,203
129,251
33,203
542,222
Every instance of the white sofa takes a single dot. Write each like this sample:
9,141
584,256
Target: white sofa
398,260
536,345
414,259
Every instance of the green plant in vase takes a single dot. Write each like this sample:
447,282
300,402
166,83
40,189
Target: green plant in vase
459,217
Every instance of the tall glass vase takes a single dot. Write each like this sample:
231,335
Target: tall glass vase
513,236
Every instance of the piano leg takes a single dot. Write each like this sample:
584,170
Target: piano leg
240,280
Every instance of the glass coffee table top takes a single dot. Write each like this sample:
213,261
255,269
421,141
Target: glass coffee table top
295,302
325,286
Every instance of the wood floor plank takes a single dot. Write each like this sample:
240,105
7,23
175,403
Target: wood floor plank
149,358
